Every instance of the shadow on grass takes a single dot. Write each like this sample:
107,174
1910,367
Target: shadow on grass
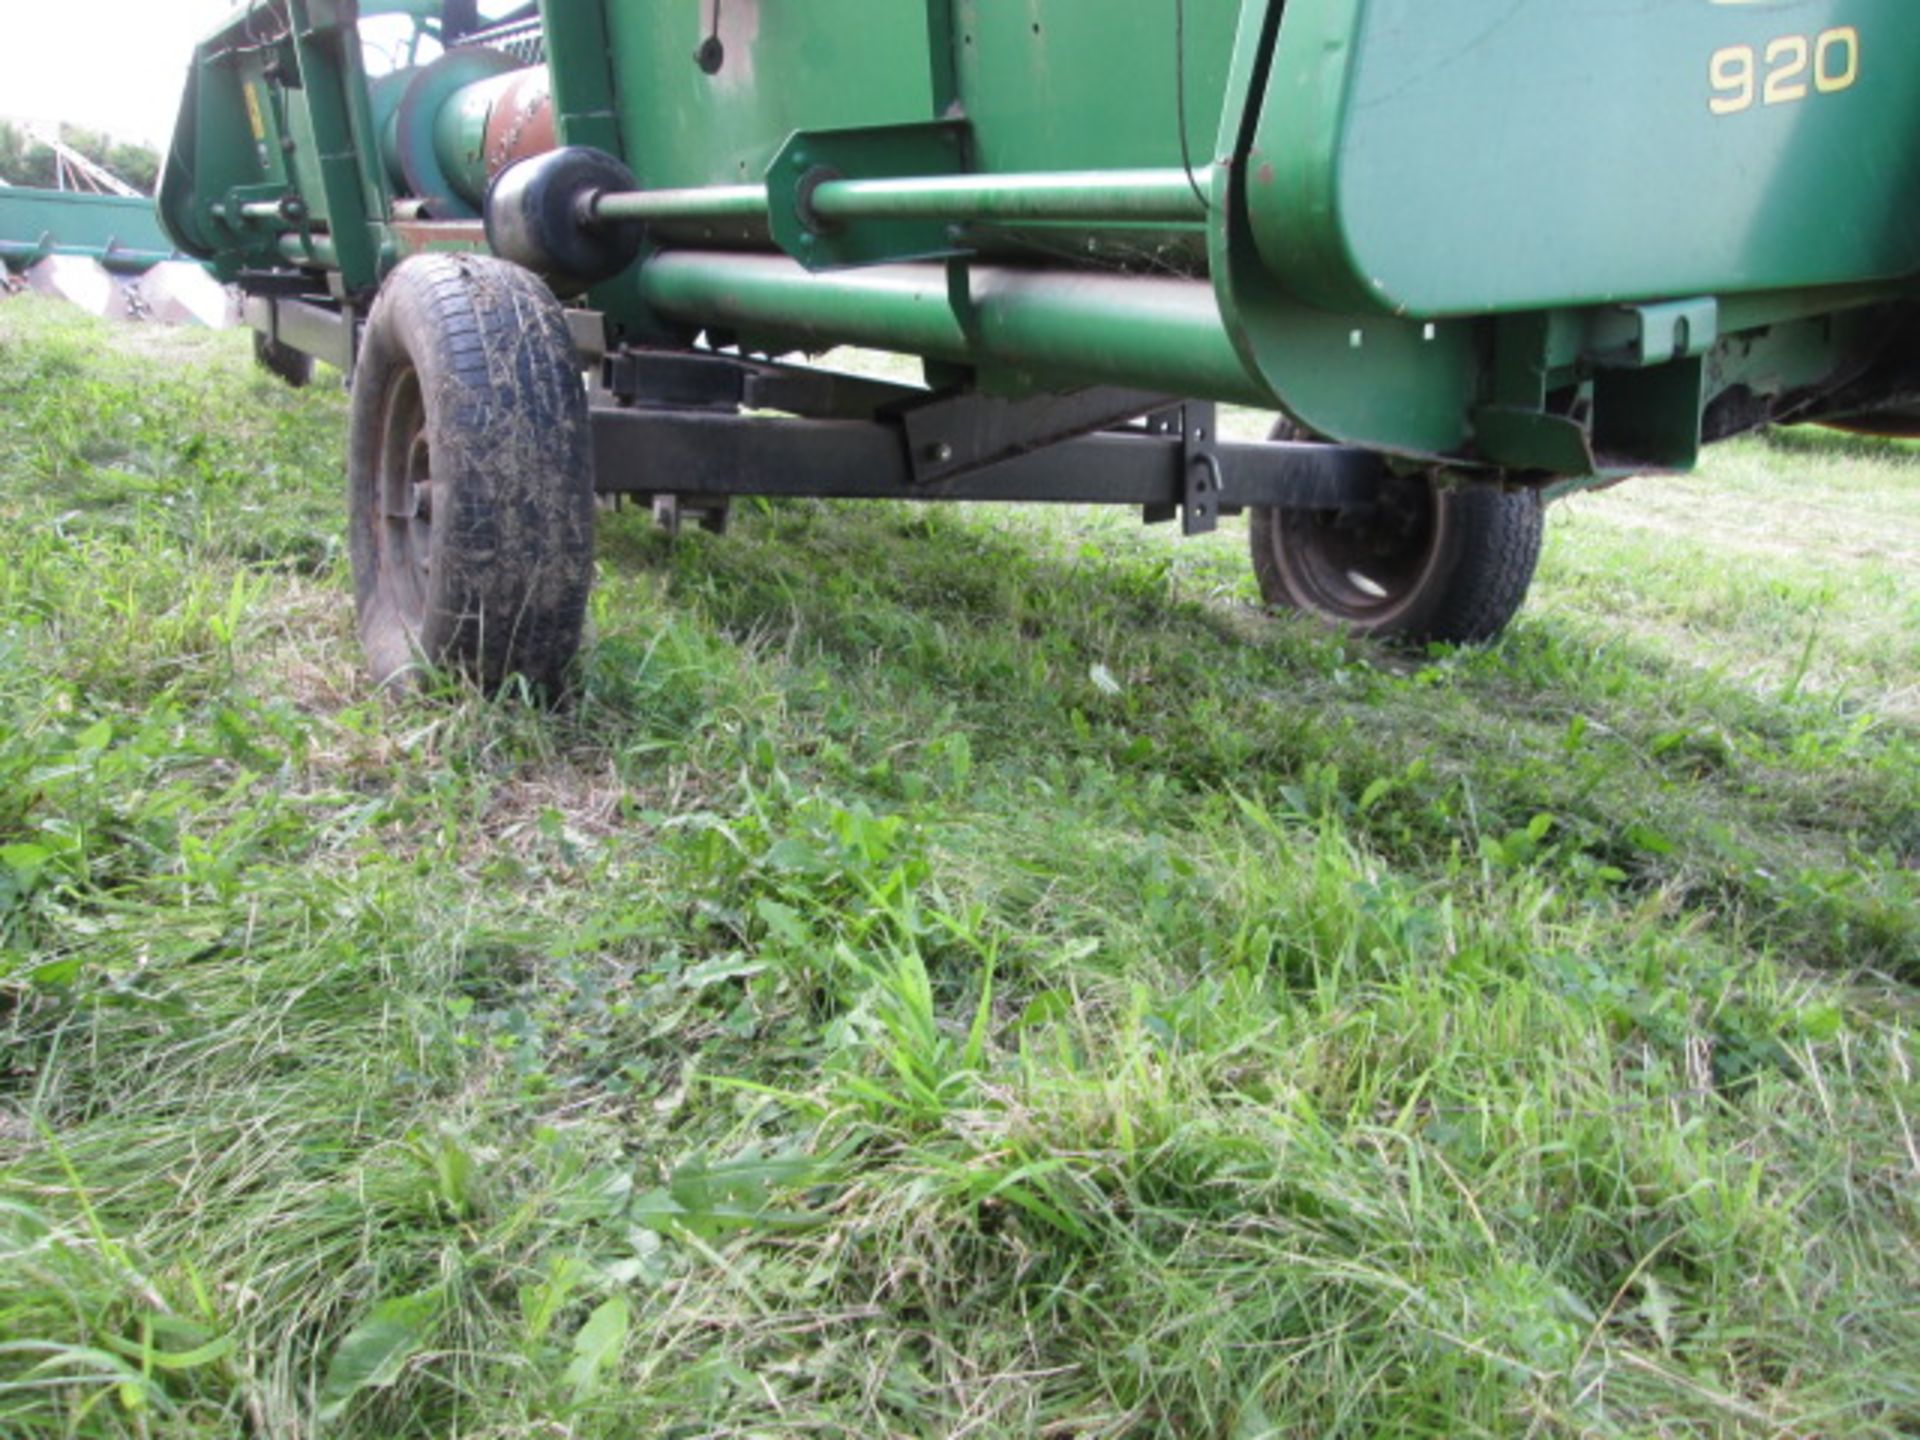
1838,444
1118,662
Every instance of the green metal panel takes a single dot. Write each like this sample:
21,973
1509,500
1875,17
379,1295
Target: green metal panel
1044,84
352,194
1090,84
1478,156
580,65
214,150
121,232
1410,385
819,65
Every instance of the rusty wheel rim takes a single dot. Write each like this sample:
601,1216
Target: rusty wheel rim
405,490
1363,567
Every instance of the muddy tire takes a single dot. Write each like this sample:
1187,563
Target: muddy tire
283,362
470,477
1430,564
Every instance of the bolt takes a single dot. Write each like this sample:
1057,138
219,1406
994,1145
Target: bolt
940,452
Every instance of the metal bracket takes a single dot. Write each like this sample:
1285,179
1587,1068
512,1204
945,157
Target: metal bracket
709,512
675,380
1642,336
589,331
877,152
692,380
954,434
1206,481
1203,480
1649,420
1531,440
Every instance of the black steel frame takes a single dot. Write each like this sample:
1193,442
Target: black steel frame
674,424
689,430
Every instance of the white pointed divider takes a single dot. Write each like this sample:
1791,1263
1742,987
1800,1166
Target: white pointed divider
178,292
81,282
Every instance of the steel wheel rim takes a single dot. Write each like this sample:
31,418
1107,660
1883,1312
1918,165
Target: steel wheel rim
404,492
1363,568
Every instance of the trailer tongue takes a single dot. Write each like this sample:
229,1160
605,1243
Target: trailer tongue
1478,254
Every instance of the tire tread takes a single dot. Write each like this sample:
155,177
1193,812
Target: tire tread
1481,583
510,433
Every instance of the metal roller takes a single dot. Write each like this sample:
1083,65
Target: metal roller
461,121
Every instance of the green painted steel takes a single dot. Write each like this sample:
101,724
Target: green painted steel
819,65
460,138
1116,197
716,203
1568,237
122,233
440,130
1086,85
1482,156
1027,329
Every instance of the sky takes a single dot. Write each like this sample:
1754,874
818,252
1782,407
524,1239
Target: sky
114,65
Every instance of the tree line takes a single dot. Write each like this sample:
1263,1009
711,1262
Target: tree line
25,161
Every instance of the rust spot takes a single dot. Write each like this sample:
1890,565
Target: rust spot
521,123
739,31
1264,175
422,237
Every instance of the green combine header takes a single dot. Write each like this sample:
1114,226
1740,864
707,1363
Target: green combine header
106,254
122,232
1477,254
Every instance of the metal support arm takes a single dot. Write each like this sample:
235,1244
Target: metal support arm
671,452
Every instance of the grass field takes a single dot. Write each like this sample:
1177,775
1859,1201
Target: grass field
953,972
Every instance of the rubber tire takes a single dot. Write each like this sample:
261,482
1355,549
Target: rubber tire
283,362
505,424
1474,582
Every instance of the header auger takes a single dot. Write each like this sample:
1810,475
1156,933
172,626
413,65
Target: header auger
1479,254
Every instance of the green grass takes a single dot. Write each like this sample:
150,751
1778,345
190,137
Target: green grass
952,972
